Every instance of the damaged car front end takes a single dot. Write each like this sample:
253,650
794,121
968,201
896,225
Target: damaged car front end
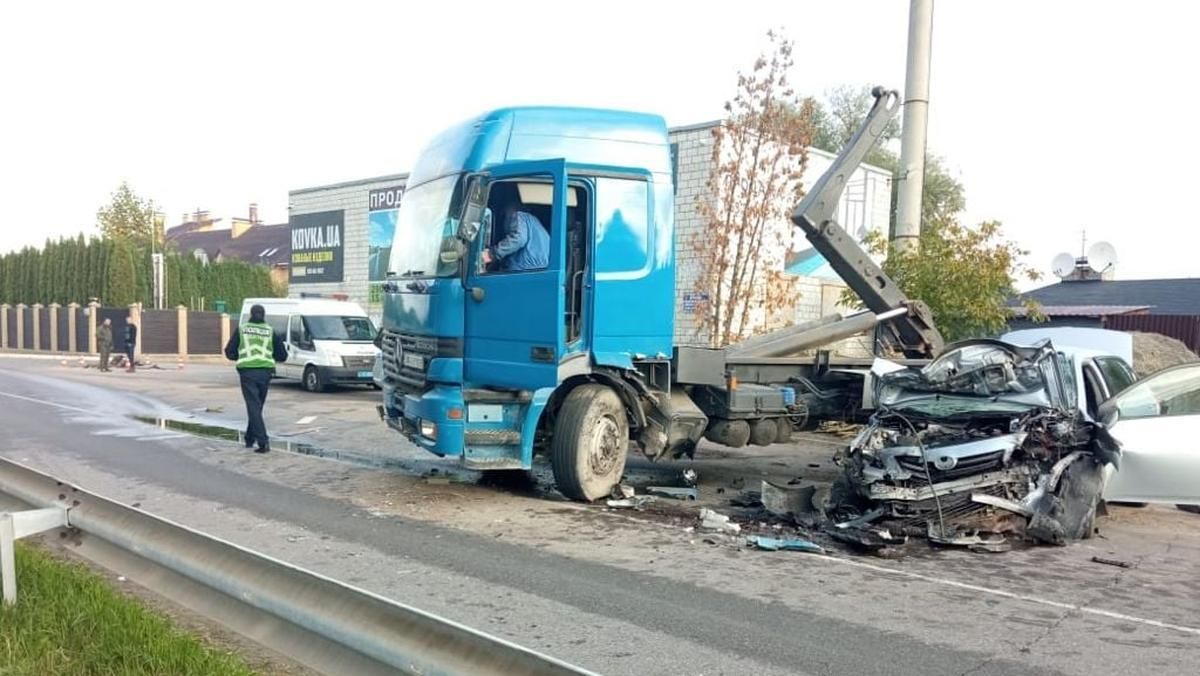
983,444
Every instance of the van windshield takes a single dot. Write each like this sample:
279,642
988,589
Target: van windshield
425,225
332,327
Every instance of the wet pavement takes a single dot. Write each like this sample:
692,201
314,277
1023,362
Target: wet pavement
619,591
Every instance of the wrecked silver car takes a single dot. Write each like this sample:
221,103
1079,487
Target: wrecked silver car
983,444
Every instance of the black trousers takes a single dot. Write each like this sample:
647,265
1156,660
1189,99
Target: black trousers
129,354
255,383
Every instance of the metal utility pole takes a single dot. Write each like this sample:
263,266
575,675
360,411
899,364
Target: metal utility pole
911,175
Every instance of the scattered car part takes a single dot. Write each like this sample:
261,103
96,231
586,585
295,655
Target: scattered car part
1111,562
790,544
787,501
674,493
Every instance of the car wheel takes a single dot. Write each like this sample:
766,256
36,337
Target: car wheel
312,380
591,438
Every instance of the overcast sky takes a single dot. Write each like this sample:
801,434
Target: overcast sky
1056,116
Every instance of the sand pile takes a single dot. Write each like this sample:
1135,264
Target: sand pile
1155,352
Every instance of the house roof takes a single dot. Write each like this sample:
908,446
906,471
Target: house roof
1159,296
1083,310
268,244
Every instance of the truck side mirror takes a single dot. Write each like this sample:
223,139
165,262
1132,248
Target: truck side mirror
476,220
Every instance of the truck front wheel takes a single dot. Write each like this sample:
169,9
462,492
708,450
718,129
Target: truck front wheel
591,438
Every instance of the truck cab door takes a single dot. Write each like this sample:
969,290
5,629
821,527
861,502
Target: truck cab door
514,318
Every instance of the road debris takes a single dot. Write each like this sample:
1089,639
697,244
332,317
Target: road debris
715,521
791,544
689,477
972,541
747,499
1111,562
786,501
622,492
674,493
635,502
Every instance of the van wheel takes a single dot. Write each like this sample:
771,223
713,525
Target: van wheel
591,438
312,381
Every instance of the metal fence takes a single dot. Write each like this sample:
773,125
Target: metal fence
1185,328
71,329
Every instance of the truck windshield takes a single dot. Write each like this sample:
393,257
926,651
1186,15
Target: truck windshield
331,327
425,222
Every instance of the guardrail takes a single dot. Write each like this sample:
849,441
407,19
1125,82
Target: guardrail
396,637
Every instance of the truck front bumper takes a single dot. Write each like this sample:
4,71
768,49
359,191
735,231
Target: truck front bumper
439,421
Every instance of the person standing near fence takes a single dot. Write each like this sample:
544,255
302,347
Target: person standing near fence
131,331
104,343
256,348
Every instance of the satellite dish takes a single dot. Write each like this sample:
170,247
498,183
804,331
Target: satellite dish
1102,256
1063,265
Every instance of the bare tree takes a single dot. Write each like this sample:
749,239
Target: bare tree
759,155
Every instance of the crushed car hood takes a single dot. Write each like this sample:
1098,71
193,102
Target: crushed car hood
979,375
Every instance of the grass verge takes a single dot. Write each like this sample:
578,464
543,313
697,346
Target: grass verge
69,621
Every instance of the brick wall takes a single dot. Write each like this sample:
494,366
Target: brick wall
350,198
864,206
692,171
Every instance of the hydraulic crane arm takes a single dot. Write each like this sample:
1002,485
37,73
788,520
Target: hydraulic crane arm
914,331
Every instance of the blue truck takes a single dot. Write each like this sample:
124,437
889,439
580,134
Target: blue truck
574,358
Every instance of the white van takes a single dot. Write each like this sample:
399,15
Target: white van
329,342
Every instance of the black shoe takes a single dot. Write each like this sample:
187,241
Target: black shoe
249,443
265,448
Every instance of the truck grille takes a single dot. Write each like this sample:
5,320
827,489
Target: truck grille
406,356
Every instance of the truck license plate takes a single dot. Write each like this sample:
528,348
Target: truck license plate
364,374
414,361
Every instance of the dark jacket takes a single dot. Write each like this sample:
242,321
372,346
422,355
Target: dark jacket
278,349
104,337
130,335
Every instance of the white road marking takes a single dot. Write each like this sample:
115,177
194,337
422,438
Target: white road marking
1014,596
1088,610
48,403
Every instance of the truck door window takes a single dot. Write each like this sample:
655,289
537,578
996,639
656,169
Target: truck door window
622,224
528,203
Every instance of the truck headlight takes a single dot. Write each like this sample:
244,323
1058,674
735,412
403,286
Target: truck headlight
429,430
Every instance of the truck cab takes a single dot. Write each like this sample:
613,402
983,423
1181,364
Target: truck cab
477,358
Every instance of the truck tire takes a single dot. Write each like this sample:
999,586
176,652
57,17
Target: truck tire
312,381
591,438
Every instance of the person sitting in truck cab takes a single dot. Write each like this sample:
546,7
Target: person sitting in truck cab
526,243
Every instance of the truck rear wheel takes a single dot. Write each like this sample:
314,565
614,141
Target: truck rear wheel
591,438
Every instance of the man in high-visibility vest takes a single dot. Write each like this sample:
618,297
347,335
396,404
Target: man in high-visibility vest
256,347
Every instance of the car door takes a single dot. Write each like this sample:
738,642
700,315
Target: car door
514,320
1157,422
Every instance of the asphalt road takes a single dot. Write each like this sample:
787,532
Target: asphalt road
611,593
